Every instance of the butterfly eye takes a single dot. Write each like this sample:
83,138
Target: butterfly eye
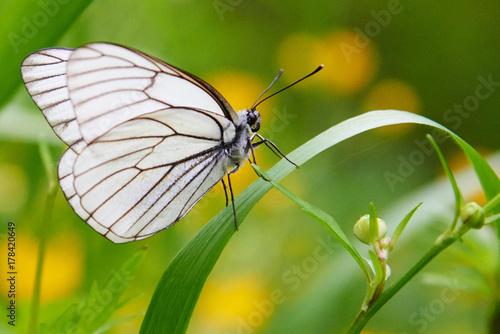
253,120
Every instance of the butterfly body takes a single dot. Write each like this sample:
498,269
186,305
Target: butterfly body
146,140
238,150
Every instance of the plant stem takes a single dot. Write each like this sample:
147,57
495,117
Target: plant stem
492,204
43,233
365,315
45,227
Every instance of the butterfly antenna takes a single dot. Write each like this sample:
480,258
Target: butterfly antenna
320,67
265,91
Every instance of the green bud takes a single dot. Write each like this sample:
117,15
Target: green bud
472,214
362,229
385,243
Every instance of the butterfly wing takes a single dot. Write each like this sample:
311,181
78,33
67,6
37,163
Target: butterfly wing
44,75
110,84
84,92
129,183
150,139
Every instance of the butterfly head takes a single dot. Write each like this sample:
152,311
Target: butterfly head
253,120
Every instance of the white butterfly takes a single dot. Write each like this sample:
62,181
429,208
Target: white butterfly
146,140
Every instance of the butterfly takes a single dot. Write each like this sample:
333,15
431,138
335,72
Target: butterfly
146,140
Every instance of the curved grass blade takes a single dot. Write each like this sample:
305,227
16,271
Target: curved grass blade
402,226
373,225
90,314
459,200
322,217
175,296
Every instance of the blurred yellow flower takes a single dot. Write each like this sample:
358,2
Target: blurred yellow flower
14,192
296,55
62,271
392,94
348,68
240,89
228,303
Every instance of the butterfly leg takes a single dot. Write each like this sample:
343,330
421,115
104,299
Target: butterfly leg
225,191
234,170
272,146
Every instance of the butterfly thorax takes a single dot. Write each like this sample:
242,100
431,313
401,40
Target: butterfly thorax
247,123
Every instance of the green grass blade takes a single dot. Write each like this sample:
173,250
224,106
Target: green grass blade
94,311
373,225
29,25
44,229
487,177
377,267
178,290
459,201
113,323
325,219
401,227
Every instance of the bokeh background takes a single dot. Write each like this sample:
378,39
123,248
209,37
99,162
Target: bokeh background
282,273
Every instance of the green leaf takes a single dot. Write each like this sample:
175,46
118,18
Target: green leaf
325,219
377,266
29,25
47,162
92,313
180,286
459,201
373,225
487,177
401,227
109,325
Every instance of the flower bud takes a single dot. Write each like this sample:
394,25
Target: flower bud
362,229
385,243
472,214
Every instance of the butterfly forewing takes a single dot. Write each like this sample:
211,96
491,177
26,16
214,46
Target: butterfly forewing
109,84
147,140
44,75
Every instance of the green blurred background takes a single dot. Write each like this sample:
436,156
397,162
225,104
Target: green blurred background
281,273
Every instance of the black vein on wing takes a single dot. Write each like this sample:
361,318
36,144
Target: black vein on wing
46,77
114,110
65,122
38,83
212,162
166,175
121,90
49,90
45,53
221,101
109,80
104,69
183,211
